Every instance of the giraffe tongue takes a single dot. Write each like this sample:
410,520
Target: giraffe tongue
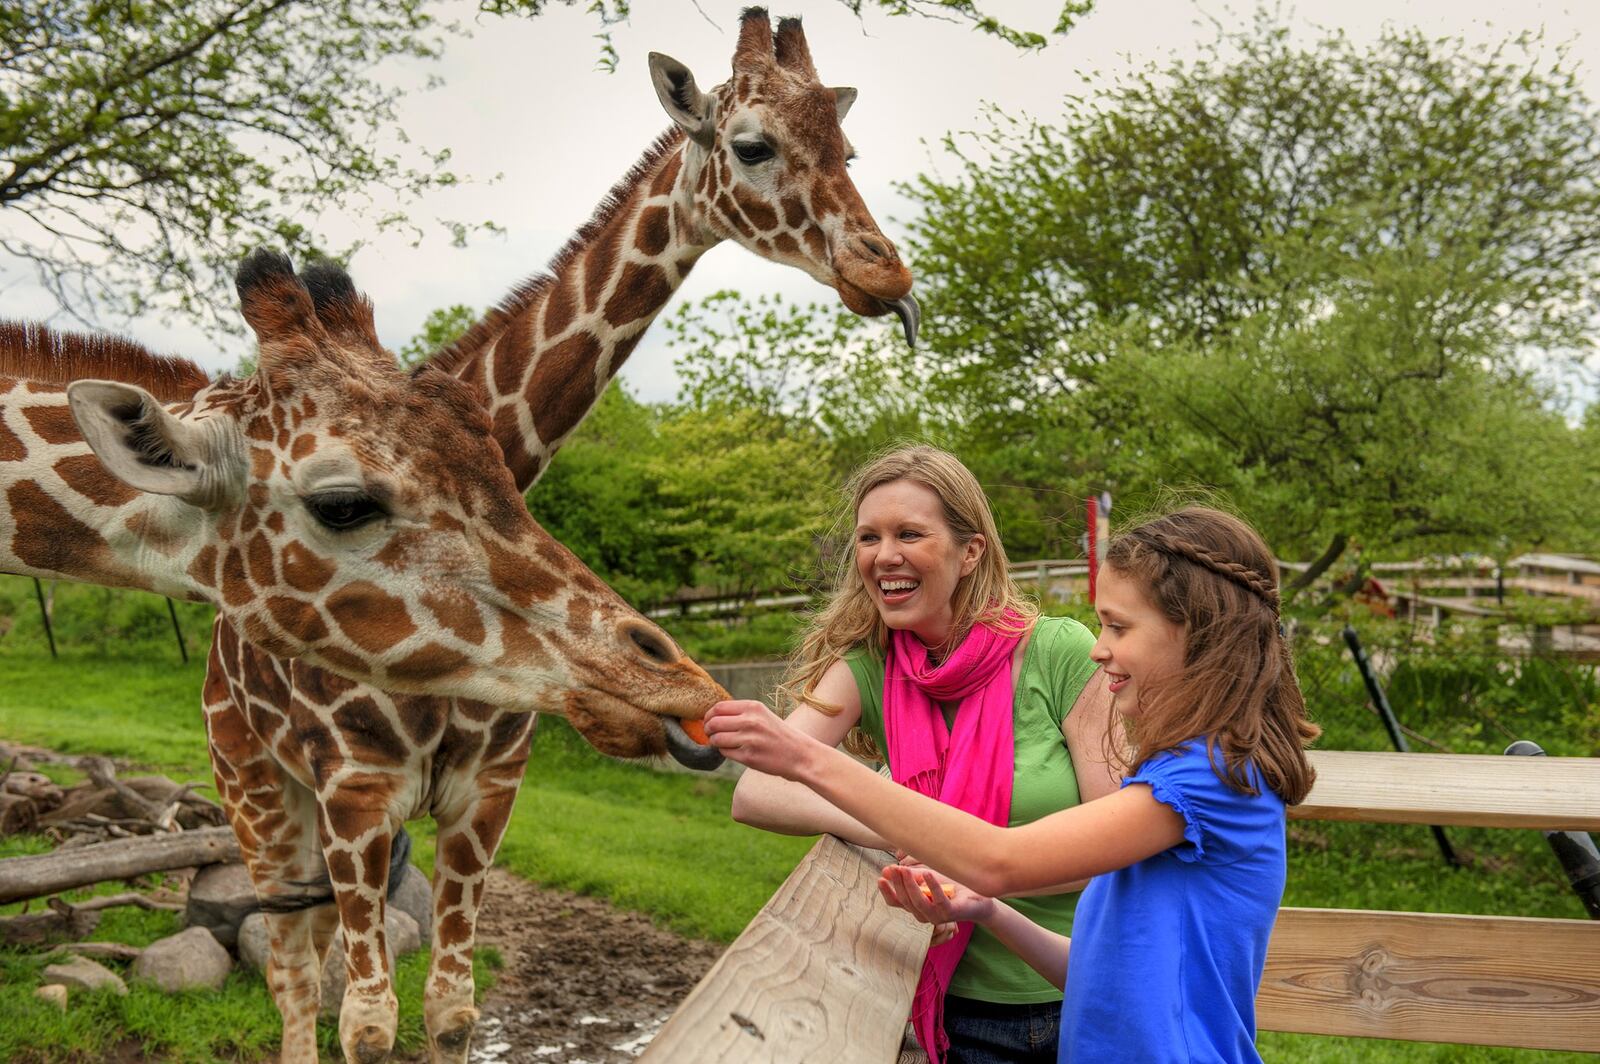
910,315
686,751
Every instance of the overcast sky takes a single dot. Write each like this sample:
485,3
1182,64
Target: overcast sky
524,100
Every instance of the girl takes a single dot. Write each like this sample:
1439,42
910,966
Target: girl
1188,854
928,647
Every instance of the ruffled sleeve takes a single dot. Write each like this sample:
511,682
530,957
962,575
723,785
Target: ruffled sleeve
1220,824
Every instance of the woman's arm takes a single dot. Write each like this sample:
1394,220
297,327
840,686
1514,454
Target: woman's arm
776,804
1085,729
1077,843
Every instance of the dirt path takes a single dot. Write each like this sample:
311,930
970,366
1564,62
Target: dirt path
583,983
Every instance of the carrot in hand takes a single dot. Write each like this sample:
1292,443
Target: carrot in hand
927,892
696,731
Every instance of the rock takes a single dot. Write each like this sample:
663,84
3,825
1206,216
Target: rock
55,994
415,896
220,897
191,958
84,974
402,932
254,945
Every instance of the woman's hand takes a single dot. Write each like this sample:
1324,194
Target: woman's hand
924,894
749,733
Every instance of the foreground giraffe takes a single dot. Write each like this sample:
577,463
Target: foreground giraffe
759,160
340,512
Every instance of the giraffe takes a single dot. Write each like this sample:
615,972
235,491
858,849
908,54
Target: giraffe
340,512
759,161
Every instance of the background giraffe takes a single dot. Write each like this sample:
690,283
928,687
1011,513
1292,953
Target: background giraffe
760,160
313,505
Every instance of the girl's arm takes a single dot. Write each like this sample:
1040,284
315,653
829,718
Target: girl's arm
920,892
773,803
1077,843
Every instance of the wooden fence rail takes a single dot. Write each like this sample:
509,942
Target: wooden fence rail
826,970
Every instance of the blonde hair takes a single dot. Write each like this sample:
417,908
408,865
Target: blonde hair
1210,573
850,618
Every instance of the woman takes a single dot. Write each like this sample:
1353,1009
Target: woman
928,647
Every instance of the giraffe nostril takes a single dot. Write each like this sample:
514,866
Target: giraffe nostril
652,644
875,248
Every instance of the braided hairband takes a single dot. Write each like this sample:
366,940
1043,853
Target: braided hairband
1232,571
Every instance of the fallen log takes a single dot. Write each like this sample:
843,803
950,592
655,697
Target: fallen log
51,873
33,929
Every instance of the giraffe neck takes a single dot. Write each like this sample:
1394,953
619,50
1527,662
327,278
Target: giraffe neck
64,517
547,355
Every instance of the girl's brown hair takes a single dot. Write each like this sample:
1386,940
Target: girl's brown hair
1211,573
850,619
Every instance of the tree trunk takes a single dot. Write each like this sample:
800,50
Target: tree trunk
1318,567
51,873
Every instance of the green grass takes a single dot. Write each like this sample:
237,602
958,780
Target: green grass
663,844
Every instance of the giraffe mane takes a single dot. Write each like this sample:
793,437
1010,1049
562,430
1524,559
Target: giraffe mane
450,357
36,352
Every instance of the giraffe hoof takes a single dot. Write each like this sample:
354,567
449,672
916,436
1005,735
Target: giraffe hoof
457,1033
371,1045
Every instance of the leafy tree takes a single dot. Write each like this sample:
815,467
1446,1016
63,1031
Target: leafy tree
143,145
439,328
1310,274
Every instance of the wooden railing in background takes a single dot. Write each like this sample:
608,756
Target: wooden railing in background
826,971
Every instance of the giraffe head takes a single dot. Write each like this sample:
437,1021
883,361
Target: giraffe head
363,518
772,175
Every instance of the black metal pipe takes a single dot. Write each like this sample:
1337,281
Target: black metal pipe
1391,724
1574,849
172,611
44,615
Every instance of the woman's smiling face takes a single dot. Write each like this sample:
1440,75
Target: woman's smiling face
910,560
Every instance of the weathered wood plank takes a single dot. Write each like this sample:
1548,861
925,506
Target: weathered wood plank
1483,980
825,972
1477,790
36,875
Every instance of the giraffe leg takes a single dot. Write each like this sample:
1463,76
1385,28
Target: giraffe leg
469,834
357,830
274,817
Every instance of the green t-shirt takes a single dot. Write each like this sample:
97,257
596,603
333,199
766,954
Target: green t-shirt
1055,666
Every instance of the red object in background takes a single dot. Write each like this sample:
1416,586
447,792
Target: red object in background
1093,543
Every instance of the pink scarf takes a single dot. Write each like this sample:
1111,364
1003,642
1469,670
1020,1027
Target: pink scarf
977,778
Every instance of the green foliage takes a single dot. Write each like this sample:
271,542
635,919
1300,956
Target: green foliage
1311,276
440,327
146,144
655,499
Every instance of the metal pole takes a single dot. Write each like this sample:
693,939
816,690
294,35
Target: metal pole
1574,849
172,611
44,615
1391,724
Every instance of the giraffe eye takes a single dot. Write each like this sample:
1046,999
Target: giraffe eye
341,511
751,152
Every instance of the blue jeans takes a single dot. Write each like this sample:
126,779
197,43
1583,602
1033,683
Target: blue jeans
983,1032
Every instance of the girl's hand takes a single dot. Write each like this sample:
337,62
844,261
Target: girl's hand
933,900
749,733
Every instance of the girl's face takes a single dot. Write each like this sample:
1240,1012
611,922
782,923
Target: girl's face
910,560
1138,645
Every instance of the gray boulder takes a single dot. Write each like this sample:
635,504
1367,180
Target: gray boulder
254,946
414,896
85,974
220,897
191,958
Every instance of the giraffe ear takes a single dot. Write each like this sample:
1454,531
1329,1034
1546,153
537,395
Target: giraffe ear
146,447
685,103
843,97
